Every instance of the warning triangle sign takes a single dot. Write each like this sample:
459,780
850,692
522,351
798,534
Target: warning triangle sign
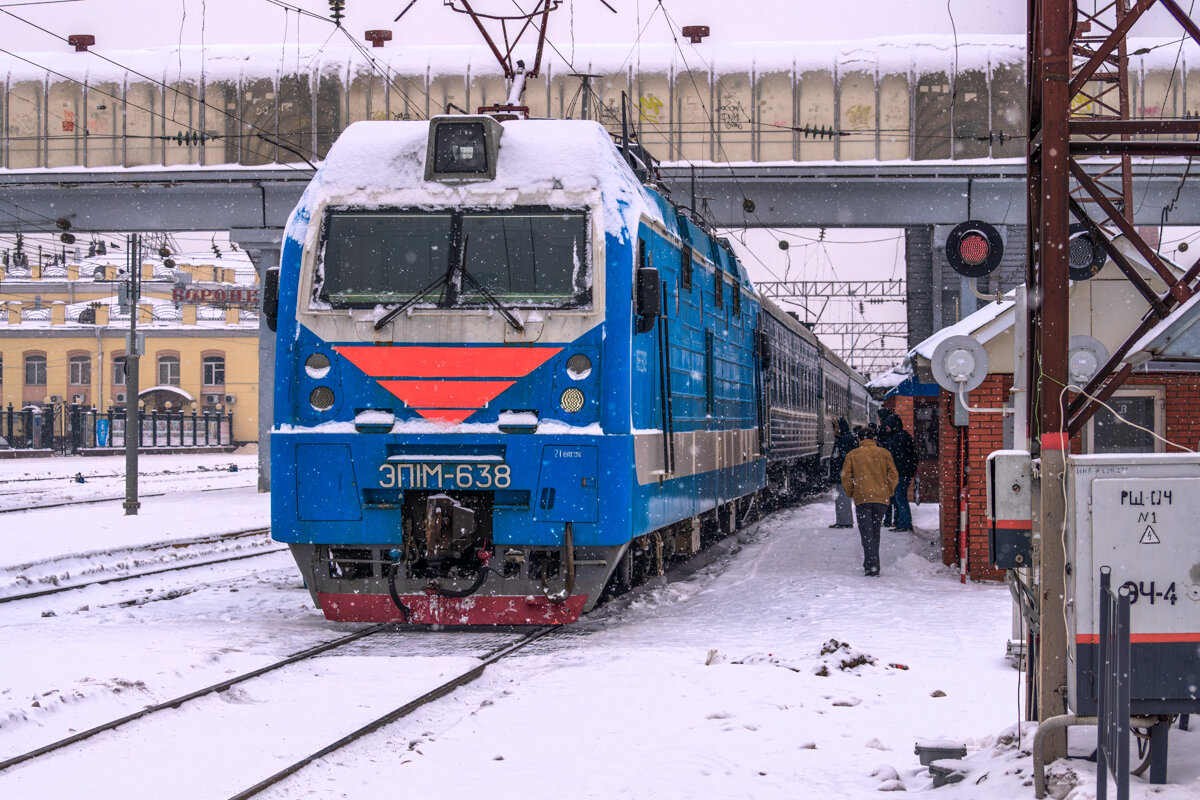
1149,537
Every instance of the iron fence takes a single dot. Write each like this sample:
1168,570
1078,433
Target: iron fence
71,428
1113,679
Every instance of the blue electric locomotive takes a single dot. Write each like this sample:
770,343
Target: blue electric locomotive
507,374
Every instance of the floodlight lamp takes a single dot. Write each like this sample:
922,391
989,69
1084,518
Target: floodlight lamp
1085,355
960,364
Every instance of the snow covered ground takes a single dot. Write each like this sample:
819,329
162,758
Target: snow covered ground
776,671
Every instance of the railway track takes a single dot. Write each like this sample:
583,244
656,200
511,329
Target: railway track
485,648
170,547
93,500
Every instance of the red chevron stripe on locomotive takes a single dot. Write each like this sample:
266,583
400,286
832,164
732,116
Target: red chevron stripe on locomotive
443,382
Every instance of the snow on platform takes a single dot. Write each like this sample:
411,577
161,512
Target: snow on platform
775,671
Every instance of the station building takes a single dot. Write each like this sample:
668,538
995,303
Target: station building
1162,397
64,334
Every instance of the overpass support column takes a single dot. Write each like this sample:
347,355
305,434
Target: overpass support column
924,303
263,246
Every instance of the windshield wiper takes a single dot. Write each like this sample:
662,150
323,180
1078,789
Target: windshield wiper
416,298
503,309
479,287
445,280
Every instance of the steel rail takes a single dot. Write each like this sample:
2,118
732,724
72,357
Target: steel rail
119,578
111,499
396,713
178,701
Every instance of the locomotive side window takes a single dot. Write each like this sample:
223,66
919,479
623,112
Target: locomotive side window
685,271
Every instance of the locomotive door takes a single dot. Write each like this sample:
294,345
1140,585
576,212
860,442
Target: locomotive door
664,382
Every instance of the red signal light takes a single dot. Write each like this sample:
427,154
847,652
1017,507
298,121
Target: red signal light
974,248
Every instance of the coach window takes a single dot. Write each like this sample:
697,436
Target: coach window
213,370
168,370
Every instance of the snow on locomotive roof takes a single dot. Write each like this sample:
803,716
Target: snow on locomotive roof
556,163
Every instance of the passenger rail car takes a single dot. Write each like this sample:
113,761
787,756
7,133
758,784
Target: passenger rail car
807,388
507,373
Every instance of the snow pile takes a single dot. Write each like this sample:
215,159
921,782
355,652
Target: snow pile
559,163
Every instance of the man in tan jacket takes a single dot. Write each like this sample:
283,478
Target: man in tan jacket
869,477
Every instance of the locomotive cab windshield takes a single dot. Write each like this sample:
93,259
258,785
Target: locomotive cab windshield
520,258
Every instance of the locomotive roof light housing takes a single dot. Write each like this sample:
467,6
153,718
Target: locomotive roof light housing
462,148
974,248
1085,356
1085,256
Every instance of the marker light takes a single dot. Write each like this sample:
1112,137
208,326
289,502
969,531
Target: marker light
571,400
321,398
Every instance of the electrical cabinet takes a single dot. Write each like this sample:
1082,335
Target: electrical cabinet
1138,515
1010,508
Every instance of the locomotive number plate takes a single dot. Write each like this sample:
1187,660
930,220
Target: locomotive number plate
441,475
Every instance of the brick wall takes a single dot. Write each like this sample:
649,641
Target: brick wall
986,433
928,489
903,408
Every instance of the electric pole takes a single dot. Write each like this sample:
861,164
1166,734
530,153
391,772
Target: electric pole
133,436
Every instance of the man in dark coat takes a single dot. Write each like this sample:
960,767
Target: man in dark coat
843,442
904,454
881,438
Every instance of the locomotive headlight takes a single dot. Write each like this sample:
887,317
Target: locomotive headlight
317,365
579,367
462,148
321,398
571,400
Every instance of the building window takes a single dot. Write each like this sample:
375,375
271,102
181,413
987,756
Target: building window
168,370
118,370
214,370
35,370
81,370
1134,407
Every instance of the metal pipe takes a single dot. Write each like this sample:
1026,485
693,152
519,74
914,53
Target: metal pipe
1047,727
963,538
962,399
1051,724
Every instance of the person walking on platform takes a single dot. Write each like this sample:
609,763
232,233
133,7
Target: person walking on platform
904,455
881,439
843,442
869,476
